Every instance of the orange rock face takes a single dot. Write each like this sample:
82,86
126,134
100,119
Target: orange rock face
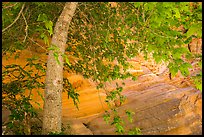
160,109
161,106
89,95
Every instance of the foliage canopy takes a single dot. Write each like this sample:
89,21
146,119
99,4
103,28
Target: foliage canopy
103,36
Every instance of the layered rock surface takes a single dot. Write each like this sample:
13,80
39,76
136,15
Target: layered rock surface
160,108
161,105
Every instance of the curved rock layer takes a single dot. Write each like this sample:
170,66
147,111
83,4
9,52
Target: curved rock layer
160,109
89,95
161,106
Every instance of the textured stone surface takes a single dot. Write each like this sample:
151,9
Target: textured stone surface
74,126
161,105
196,46
159,109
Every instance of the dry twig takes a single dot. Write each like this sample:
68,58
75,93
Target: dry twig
15,18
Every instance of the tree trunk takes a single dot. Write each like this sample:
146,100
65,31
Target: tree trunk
54,74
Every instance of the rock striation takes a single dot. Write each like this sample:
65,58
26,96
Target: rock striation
160,109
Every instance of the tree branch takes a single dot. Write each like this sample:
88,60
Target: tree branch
37,44
15,18
26,29
6,7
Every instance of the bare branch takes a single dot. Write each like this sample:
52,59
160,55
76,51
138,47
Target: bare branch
26,29
6,7
37,43
15,18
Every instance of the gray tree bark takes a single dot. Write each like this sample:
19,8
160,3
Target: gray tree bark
54,74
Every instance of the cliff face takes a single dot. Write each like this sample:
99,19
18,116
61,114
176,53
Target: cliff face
160,108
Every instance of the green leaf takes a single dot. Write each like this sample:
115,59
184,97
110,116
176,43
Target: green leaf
178,61
74,96
119,128
66,59
39,29
194,28
10,125
17,5
186,65
199,86
116,68
149,6
106,118
137,4
135,131
40,95
51,48
188,40
99,86
168,4
56,57
157,57
42,17
197,80
150,48
129,114
173,69
45,38
49,25
134,78
54,48
158,20
184,68
176,54
184,6
177,13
